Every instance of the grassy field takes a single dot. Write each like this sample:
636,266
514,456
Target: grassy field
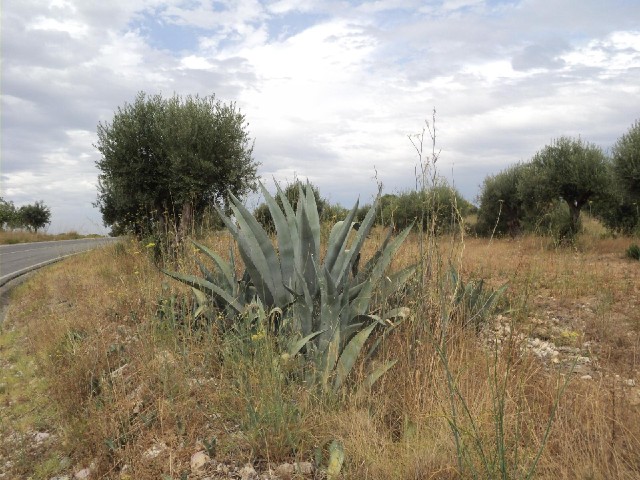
103,366
21,236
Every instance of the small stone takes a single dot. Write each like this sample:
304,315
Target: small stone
630,382
154,451
305,468
248,472
586,377
82,474
285,471
198,461
40,437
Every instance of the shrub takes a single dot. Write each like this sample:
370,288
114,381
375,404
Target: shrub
633,251
439,208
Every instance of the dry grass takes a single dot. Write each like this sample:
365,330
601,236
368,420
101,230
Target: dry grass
22,236
111,378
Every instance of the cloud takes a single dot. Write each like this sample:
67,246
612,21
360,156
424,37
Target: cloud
330,89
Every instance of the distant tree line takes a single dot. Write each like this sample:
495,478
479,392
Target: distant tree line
548,193
166,164
31,217
438,209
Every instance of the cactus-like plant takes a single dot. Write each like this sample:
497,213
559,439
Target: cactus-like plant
325,305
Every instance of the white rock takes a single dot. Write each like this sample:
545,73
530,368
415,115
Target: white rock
199,460
248,473
40,437
285,471
305,468
154,451
586,377
630,382
82,474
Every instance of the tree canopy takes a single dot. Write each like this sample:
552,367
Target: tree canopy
169,159
35,216
569,169
7,214
439,208
32,217
501,207
626,162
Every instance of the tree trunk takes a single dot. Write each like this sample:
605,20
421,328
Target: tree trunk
186,220
574,211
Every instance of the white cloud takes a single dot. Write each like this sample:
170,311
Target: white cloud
330,89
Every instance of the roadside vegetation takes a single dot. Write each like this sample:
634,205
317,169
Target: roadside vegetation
414,337
20,236
133,382
17,223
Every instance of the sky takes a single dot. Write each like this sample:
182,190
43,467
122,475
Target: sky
333,91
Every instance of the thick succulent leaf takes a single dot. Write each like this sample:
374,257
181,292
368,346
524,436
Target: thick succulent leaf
303,306
329,357
354,291
392,283
262,251
361,303
373,377
253,270
309,239
223,267
295,348
336,459
201,301
291,221
332,302
206,287
346,258
285,241
366,270
338,238
350,355
208,275
201,298
311,209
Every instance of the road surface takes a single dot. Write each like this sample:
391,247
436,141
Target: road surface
21,258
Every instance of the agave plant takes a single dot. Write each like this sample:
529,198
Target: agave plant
476,301
325,304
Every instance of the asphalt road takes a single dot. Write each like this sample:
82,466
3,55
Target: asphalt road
18,259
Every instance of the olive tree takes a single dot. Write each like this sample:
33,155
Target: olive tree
501,207
438,208
8,214
626,162
569,170
620,210
35,216
165,161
